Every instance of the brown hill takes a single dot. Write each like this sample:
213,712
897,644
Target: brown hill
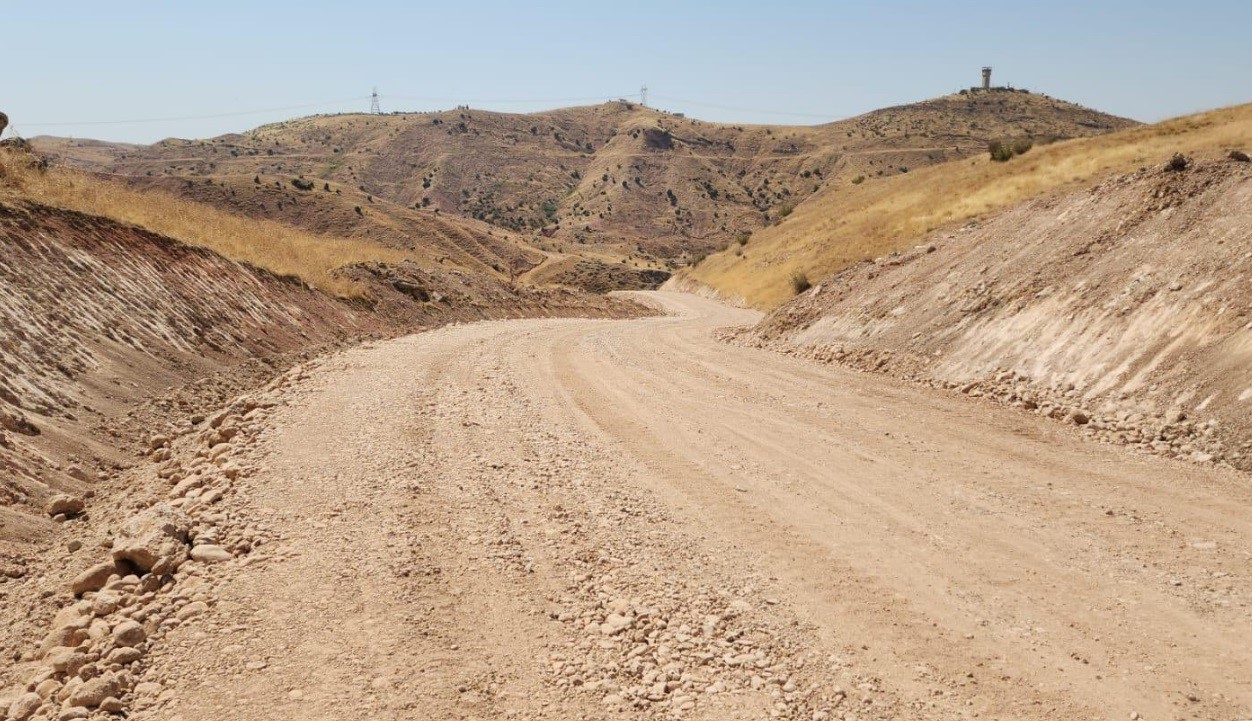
852,221
613,181
1123,309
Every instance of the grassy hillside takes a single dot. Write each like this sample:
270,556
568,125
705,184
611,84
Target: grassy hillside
845,223
274,246
616,180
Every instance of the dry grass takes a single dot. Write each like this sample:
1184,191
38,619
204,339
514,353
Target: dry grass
266,244
846,223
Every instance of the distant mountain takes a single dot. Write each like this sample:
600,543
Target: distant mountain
614,183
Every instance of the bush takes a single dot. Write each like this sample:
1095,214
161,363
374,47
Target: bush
1000,151
1021,147
742,238
1178,163
785,210
858,180
800,282
1240,156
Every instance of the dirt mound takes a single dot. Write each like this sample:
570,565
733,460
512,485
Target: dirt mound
597,276
1123,309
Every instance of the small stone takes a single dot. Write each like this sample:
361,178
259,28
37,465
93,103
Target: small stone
24,706
124,655
105,603
129,633
47,687
210,554
191,610
615,623
65,505
150,689
112,705
93,691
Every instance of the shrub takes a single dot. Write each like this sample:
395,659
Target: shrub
1021,147
1000,151
800,282
858,180
742,238
1240,156
1178,163
785,210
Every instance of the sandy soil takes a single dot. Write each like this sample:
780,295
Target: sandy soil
566,519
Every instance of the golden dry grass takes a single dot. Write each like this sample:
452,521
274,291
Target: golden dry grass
846,223
273,246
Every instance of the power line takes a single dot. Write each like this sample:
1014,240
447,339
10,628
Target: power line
196,117
375,99
507,101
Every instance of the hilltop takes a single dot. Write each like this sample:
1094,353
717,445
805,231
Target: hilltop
616,183
864,217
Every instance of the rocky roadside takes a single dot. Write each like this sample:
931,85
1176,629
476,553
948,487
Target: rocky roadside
152,576
1113,421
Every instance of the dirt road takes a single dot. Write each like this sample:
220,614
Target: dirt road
590,519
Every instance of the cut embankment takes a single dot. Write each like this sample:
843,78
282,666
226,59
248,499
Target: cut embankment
109,331
1123,309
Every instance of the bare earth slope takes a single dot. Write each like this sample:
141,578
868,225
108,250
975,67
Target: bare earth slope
590,519
107,332
1124,309
616,178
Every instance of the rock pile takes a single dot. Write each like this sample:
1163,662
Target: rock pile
667,652
1172,433
90,662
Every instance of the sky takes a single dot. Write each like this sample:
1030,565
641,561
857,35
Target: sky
188,70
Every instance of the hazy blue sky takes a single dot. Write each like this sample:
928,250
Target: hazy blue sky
76,63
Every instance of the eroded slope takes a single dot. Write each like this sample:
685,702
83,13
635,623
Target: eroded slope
1124,309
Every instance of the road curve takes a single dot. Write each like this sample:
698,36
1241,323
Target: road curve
593,519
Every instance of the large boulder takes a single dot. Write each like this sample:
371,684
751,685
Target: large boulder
154,540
